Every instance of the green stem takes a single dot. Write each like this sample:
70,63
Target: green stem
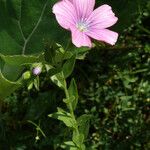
71,109
37,128
70,105
143,29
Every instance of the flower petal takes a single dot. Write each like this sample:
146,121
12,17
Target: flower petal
84,8
65,13
102,17
105,35
80,38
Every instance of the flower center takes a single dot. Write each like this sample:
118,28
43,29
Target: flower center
82,26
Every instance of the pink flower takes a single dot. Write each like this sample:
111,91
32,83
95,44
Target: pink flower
84,22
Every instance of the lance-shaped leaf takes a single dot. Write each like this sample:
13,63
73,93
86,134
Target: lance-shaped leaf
69,66
83,123
73,92
59,80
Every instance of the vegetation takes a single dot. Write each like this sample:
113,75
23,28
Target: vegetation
101,95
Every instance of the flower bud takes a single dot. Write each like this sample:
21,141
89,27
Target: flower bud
37,70
26,75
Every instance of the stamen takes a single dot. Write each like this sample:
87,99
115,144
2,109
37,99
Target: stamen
82,26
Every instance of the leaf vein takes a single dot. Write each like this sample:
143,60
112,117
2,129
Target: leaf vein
34,29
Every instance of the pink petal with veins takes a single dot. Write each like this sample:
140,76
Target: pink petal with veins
80,38
105,35
102,17
84,7
65,13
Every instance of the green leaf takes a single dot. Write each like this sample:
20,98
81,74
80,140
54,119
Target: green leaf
83,123
50,53
59,80
30,85
69,145
20,60
6,86
73,91
55,54
68,66
65,117
70,99
78,138
11,72
36,83
25,25
51,71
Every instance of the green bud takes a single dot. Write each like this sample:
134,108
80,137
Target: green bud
26,75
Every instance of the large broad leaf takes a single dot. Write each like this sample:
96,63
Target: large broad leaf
25,25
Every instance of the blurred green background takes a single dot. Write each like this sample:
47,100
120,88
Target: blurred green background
113,84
